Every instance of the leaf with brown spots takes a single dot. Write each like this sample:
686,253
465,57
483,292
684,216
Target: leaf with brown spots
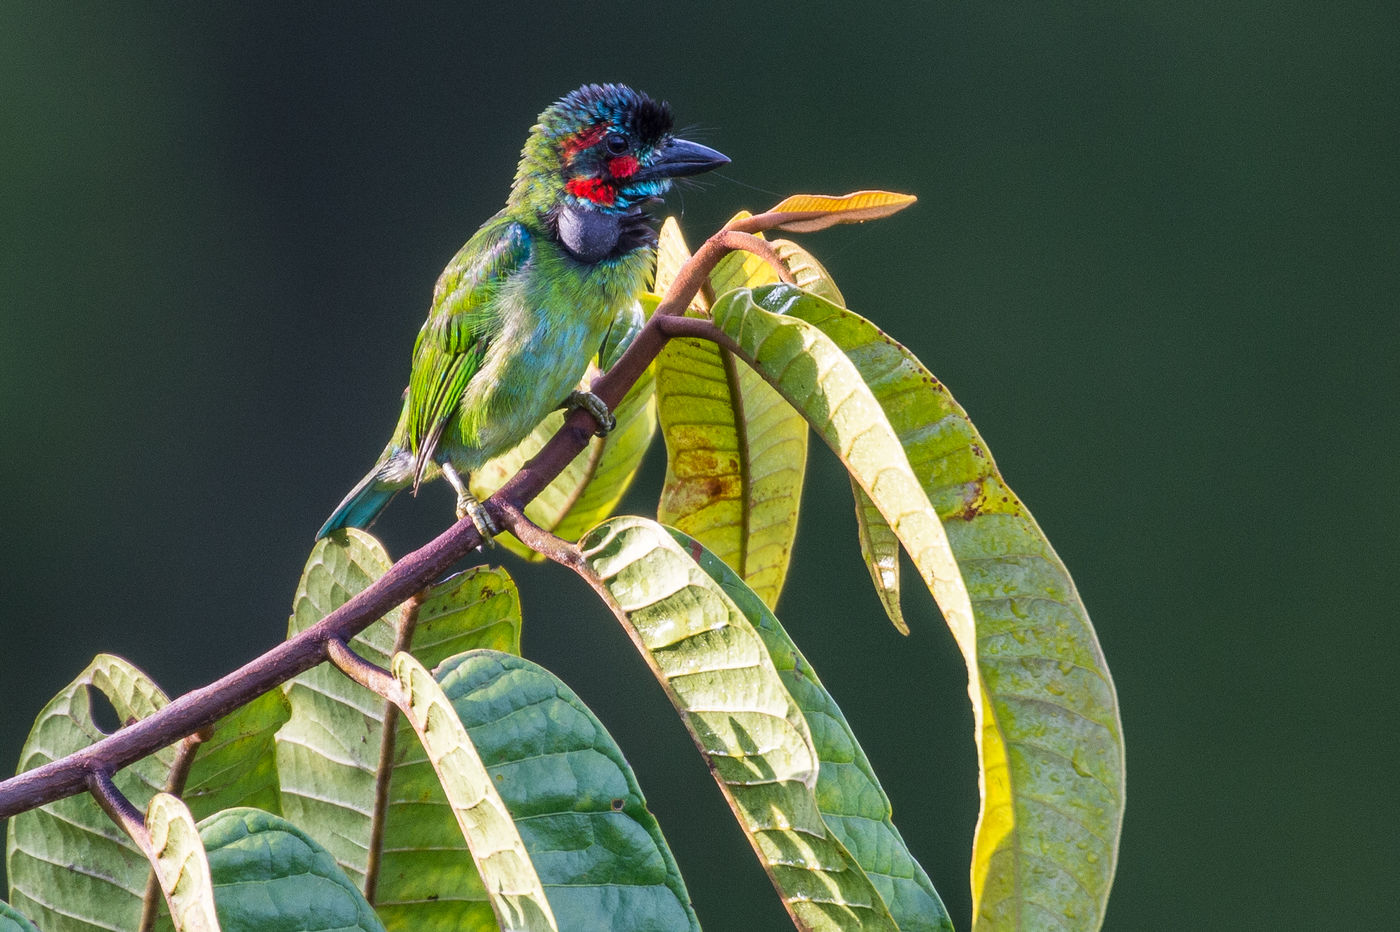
1050,740
736,452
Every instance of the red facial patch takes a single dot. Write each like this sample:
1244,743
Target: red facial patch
595,190
624,166
582,140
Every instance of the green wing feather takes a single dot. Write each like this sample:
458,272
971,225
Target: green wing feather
454,338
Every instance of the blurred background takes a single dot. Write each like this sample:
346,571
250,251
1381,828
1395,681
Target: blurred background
1154,256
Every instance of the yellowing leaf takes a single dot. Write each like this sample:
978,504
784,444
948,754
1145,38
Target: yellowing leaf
812,212
736,452
671,254
1049,736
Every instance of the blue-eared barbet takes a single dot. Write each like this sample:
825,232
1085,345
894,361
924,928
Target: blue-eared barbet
526,304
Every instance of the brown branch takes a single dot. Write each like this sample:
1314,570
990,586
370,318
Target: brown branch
202,708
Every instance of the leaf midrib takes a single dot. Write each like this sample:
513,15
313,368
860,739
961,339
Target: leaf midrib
741,444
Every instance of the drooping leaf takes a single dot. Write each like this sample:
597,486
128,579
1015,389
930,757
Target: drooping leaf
591,485
852,802
717,673
879,547
507,874
598,850
1050,737
237,764
736,452
269,876
178,859
12,920
812,212
815,376
70,867
329,753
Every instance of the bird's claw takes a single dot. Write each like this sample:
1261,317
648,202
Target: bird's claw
469,507
596,407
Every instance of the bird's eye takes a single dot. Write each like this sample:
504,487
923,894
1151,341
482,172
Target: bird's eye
617,143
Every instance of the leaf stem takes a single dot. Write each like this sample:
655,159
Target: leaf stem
388,733
129,819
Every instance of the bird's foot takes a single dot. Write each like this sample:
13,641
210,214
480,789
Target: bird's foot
594,406
469,507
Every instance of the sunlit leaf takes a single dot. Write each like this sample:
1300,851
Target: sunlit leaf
269,875
1049,733
736,452
879,547
505,869
70,867
178,858
717,672
598,850
852,802
329,753
816,377
807,273
671,254
812,212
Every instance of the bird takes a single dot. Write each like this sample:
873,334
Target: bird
526,303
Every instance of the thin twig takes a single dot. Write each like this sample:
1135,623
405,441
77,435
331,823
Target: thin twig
408,623
121,811
371,676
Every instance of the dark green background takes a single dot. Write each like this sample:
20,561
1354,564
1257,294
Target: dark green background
1155,256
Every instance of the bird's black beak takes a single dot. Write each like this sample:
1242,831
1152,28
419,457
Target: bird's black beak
681,157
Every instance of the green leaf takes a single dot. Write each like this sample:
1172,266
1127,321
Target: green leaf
736,452
591,485
237,764
269,876
517,897
1049,733
12,920
852,802
879,546
329,752
815,376
717,673
69,865
598,850
178,858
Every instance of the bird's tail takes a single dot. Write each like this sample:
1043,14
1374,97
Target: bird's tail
364,503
